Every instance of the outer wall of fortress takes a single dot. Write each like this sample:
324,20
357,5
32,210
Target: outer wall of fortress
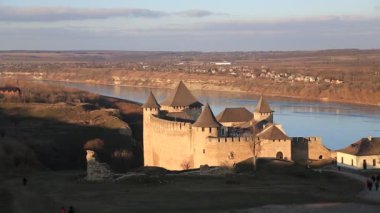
178,145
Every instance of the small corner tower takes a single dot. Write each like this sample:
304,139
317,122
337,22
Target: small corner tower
150,107
263,111
207,123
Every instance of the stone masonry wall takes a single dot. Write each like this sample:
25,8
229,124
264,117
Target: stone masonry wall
170,142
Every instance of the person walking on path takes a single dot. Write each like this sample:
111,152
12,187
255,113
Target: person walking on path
377,185
369,184
63,210
373,178
71,209
24,181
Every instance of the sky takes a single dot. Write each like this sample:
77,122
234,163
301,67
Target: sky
189,25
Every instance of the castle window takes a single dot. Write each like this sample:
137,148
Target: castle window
204,151
320,157
374,162
341,160
203,129
352,162
209,130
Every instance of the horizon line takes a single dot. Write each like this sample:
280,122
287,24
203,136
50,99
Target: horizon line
184,51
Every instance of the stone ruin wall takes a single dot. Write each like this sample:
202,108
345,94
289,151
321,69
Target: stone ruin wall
96,171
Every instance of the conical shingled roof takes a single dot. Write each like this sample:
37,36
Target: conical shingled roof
207,119
181,97
151,102
263,106
272,133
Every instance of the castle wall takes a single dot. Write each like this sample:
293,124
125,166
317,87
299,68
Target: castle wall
300,150
147,132
317,150
169,143
230,150
270,148
310,148
177,145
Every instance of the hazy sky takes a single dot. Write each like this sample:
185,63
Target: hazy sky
201,25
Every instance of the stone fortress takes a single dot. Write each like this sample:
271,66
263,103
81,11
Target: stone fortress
178,134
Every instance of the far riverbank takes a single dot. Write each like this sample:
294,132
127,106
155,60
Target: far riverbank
225,89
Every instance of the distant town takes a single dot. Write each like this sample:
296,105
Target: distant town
224,68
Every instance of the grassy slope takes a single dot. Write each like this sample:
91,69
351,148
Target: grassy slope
272,184
57,133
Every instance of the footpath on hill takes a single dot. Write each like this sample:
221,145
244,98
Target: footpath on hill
373,195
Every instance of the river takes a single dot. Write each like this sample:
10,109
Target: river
338,124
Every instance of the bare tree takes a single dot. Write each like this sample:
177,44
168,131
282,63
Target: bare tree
186,165
255,146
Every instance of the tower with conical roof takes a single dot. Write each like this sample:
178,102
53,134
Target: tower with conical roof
263,111
207,119
150,108
206,126
181,99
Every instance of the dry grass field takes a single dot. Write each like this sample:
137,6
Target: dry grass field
272,184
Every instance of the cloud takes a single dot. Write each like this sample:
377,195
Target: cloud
66,13
328,24
238,35
197,13
52,14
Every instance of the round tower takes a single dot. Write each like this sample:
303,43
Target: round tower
207,123
204,127
150,108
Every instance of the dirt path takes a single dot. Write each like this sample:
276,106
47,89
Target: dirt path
373,195
313,208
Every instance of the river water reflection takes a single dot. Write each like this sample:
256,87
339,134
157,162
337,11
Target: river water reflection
338,124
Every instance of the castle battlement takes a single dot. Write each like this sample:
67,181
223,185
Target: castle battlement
307,139
229,139
168,124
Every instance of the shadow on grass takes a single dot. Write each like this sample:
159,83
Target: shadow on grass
59,145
